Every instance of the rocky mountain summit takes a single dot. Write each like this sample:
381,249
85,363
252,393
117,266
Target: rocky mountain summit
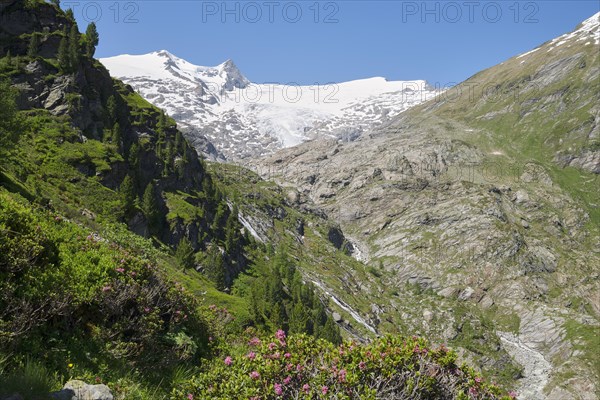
487,198
244,119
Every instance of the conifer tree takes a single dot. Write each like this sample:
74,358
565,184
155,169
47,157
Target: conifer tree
162,123
298,321
179,143
111,108
8,115
134,158
74,47
116,136
34,45
216,267
63,52
185,254
128,196
275,293
231,230
91,39
330,332
150,208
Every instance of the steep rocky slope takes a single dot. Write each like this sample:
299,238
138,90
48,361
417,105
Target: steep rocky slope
487,199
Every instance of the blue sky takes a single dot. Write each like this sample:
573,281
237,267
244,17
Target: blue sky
310,42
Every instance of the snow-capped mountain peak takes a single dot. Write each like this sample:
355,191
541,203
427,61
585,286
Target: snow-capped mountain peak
244,119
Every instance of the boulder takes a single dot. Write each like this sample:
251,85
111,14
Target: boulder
336,317
466,294
79,390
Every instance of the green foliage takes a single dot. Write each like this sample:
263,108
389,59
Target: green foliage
185,254
34,45
64,60
29,378
111,108
70,15
232,231
215,268
134,158
128,196
74,47
91,39
65,295
150,208
116,138
291,304
301,367
9,120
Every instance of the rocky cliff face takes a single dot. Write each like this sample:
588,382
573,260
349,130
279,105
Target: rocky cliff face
466,197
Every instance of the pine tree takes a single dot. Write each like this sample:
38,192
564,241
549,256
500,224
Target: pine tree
17,61
275,293
91,39
9,121
150,208
111,108
185,254
216,267
128,196
290,272
74,47
298,321
231,230
162,123
116,136
330,332
279,317
169,158
63,52
70,15
216,226
34,45
179,148
134,158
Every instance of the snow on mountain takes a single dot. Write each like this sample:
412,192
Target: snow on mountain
244,119
588,32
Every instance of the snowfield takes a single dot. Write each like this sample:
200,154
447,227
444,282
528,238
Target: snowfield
244,119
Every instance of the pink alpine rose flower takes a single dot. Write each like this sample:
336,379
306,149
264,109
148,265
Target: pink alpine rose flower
278,389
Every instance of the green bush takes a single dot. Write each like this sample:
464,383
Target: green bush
31,380
302,367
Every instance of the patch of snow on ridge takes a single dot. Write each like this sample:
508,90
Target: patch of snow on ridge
589,27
